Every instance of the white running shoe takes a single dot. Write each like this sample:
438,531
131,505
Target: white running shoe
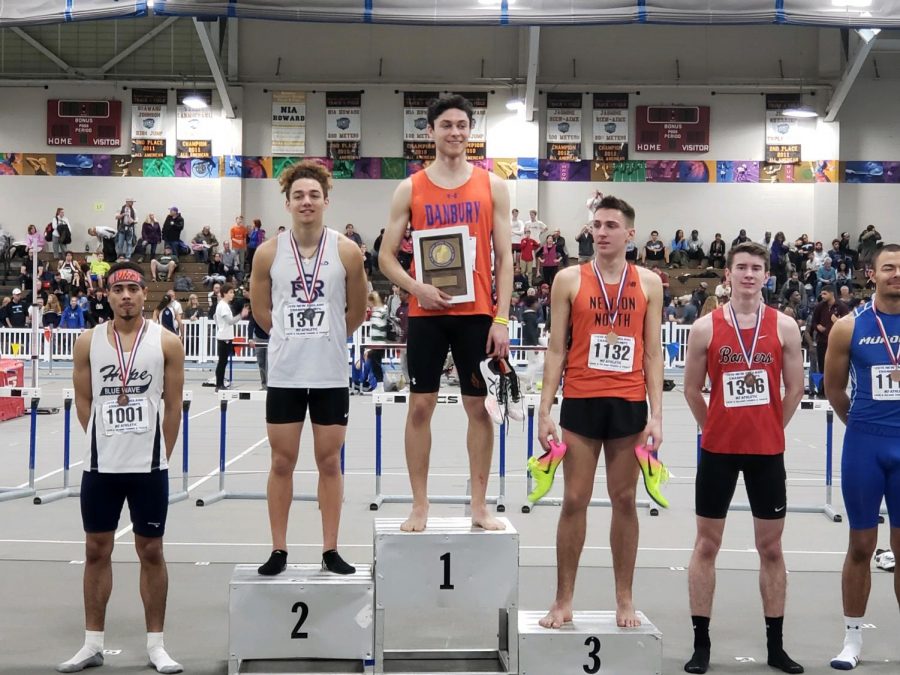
492,402
884,560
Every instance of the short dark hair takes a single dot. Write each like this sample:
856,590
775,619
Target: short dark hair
225,288
442,104
887,248
124,265
829,288
308,168
751,247
616,204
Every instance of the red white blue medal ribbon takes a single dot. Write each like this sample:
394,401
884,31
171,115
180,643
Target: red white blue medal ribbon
609,309
309,289
748,355
895,358
125,372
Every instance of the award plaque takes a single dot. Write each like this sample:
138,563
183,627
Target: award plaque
443,258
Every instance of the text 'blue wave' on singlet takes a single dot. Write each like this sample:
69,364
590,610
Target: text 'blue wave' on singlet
867,349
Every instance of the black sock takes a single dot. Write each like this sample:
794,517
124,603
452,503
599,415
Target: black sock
333,562
276,563
699,662
779,659
774,628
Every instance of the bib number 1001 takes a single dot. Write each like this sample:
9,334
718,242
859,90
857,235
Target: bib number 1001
124,415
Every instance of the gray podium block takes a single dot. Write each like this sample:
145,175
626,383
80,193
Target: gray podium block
301,614
449,566
591,643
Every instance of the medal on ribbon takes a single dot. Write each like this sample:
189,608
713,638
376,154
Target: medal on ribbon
750,378
125,371
309,289
612,337
894,358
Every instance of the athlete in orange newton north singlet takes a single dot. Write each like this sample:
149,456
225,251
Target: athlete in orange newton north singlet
595,368
432,207
745,414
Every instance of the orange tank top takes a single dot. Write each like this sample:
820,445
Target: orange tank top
595,367
471,204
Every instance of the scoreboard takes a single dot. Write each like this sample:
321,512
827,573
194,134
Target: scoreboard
672,128
96,124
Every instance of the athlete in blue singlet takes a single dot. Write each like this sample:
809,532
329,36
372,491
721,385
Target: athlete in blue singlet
865,347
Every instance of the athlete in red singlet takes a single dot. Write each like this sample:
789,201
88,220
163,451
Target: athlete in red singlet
743,431
614,364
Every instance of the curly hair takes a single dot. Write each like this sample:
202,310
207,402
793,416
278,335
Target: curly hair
307,168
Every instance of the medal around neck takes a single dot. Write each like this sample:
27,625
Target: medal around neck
125,370
612,338
894,358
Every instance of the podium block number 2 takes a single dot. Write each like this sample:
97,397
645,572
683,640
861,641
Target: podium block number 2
303,609
593,655
446,586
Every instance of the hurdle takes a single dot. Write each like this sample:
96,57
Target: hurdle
827,507
225,397
382,399
34,395
532,401
182,494
67,490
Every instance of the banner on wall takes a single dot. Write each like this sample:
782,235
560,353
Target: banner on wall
416,143
148,117
610,127
193,126
288,122
343,124
784,135
564,127
671,128
477,147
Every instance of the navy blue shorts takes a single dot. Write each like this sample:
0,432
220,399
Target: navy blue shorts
104,494
870,471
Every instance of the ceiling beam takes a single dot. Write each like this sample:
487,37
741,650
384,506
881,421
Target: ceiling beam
137,44
215,68
851,71
534,46
232,37
44,50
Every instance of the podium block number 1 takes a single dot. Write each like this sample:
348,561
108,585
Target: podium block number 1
594,655
303,609
446,586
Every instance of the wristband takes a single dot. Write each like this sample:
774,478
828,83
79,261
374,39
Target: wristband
501,320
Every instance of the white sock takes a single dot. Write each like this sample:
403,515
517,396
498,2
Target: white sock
159,657
849,656
93,646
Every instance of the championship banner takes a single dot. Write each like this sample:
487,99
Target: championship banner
671,128
343,125
417,145
610,127
288,122
193,127
784,136
148,117
477,146
564,127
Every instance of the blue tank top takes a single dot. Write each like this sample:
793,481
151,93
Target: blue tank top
167,319
867,349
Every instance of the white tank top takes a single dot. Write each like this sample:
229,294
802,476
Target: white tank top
126,439
308,342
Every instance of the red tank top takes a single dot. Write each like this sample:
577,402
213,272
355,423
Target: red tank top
432,206
739,422
595,369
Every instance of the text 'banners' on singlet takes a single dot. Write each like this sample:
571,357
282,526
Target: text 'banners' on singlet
126,438
471,204
308,342
874,394
595,367
745,413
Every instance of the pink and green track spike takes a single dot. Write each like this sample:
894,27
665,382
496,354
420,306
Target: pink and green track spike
543,469
655,473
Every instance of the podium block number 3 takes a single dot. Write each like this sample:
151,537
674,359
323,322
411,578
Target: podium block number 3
593,655
303,609
446,586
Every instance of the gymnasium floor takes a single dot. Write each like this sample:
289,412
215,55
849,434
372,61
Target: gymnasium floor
41,547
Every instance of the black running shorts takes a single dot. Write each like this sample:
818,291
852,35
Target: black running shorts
603,418
764,478
286,405
427,342
104,494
